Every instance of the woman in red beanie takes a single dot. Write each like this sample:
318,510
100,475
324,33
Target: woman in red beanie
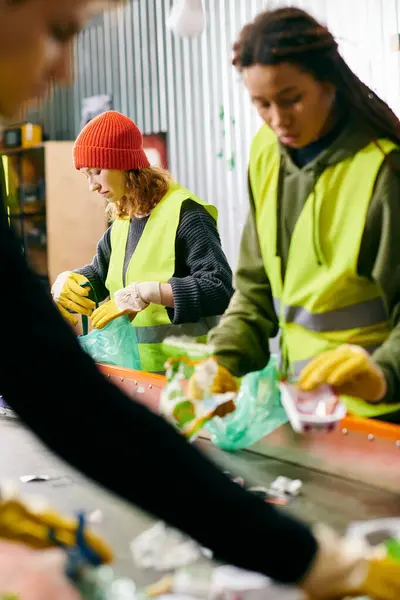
160,261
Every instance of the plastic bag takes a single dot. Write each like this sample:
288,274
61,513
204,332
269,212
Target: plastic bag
188,410
115,344
163,548
258,411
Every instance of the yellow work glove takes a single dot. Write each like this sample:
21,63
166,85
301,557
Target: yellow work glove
349,370
71,292
130,300
107,312
350,568
21,523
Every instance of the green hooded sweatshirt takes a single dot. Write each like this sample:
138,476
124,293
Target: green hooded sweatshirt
242,338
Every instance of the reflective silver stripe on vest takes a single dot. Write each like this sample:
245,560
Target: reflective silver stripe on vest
363,314
157,334
299,365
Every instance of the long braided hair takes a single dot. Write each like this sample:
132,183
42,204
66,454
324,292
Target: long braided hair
292,35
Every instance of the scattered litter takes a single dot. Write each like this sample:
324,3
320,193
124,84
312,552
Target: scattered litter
163,548
96,516
224,583
272,495
34,478
57,481
284,485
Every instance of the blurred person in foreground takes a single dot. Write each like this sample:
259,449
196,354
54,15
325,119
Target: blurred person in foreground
59,379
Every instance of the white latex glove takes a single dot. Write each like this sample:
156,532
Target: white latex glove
137,296
130,300
34,574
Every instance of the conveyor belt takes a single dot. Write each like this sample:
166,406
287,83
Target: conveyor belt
327,498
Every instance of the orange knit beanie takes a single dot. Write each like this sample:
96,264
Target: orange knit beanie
110,141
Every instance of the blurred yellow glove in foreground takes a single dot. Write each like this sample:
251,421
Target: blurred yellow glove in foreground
349,568
20,523
349,370
70,292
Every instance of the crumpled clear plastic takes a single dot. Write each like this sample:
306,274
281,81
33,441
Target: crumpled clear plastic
223,583
186,410
258,411
163,548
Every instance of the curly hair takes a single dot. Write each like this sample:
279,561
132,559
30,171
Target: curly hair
145,188
292,35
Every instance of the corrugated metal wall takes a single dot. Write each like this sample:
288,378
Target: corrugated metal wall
189,89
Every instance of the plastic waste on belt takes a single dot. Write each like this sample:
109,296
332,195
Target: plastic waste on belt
116,344
258,411
188,407
164,548
224,582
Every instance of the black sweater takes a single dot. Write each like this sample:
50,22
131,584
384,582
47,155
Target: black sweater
44,374
202,281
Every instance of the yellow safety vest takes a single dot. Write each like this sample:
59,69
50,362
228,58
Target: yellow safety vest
154,260
322,302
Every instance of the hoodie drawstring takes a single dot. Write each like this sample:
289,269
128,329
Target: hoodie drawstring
316,239
315,218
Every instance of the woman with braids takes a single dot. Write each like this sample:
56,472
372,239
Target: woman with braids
160,261
320,257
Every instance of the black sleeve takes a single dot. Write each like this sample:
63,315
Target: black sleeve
379,259
58,376
202,285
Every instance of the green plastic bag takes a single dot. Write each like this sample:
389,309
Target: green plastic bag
258,411
116,344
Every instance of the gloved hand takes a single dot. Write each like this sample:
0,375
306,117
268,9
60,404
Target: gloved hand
70,292
19,522
349,370
130,300
209,376
349,568
33,574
